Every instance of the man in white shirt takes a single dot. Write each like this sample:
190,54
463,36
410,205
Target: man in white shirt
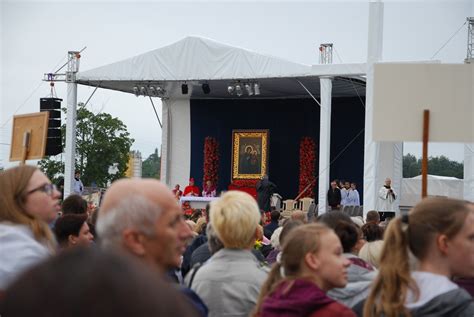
345,194
353,198
387,197
78,187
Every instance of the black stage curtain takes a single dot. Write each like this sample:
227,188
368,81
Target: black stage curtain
288,120
347,120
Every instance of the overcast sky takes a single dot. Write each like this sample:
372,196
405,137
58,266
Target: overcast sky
36,35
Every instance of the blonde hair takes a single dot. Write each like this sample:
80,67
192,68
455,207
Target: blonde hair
371,252
200,225
13,184
300,241
414,233
235,217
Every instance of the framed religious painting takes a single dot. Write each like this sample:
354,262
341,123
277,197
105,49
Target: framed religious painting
249,153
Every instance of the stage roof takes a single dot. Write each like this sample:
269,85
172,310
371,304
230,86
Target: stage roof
196,60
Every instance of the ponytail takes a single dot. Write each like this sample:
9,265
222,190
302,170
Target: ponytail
415,232
273,279
389,290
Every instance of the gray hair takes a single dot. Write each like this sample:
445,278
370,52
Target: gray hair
135,212
213,242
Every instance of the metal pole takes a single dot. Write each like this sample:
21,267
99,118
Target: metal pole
69,164
324,142
372,148
468,179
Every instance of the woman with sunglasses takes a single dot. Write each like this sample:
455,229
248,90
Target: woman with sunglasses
28,203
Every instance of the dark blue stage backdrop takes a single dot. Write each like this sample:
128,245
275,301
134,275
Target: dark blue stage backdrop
288,120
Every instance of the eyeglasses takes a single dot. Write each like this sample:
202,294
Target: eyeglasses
48,189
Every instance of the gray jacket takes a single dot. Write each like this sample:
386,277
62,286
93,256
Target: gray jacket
359,281
455,303
229,283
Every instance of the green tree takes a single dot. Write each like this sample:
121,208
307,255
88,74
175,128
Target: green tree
411,166
151,167
54,169
101,141
437,165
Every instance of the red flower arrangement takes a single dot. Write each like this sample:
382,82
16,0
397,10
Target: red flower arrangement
307,166
244,182
211,160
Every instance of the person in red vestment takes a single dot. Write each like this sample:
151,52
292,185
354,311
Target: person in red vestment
191,189
177,192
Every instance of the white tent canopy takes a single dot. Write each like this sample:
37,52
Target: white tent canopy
437,186
195,60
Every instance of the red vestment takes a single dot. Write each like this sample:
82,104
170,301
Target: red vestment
194,190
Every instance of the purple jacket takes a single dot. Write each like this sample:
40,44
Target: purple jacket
294,298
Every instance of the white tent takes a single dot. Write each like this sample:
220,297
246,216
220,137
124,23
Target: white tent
195,58
195,61
451,187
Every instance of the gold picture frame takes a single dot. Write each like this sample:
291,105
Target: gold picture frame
249,153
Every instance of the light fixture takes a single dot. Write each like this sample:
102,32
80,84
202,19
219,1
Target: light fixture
143,91
205,88
256,88
238,90
249,89
152,91
184,89
231,89
136,91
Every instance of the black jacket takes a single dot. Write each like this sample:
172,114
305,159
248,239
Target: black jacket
334,197
265,190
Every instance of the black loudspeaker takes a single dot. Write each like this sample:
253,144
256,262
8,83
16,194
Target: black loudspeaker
53,143
184,89
206,89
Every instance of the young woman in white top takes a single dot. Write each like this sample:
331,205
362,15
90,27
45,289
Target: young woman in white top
28,203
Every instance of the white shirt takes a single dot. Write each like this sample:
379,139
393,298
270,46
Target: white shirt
386,201
430,286
78,187
18,251
353,198
344,196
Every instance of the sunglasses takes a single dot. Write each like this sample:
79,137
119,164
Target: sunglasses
48,189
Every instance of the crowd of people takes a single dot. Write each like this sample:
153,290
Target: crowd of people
138,256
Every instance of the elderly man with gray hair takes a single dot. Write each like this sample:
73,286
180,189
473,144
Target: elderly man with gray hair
142,217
